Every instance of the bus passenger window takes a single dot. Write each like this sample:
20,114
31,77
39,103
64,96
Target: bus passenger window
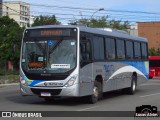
137,50
110,48
129,50
98,45
85,51
120,49
144,50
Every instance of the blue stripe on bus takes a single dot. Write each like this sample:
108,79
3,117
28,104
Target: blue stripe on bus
34,82
142,66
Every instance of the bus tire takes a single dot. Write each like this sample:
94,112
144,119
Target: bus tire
131,90
97,93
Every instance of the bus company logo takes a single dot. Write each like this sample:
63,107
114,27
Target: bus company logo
45,84
146,111
52,84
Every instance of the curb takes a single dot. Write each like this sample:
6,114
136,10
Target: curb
10,84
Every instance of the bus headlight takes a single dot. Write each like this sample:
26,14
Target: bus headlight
71,81
23,82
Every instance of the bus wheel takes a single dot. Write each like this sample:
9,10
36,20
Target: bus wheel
131,90
97,93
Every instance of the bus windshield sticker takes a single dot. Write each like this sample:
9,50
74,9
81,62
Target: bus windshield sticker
50,42
23,60
72,43
40,59
64,66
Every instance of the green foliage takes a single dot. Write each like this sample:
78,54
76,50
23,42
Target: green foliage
10,40
118,24
102,22
153,52
45,20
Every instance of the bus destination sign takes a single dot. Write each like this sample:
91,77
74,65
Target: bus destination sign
49,32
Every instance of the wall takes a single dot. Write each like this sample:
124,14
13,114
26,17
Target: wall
150,30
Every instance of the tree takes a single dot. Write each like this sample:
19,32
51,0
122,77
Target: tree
45,20
153,52
10,40
102,22
99,23
118,24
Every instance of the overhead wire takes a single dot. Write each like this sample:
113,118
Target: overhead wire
118,14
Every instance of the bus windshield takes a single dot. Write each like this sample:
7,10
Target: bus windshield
53,54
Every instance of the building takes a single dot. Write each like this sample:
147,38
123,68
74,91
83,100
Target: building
151,31
0,7
32,19
19,11
133,30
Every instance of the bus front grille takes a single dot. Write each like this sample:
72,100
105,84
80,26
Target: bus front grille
52,91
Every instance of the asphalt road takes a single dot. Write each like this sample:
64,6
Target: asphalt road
146,94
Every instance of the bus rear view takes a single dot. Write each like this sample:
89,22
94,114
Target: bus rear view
154,66
48,65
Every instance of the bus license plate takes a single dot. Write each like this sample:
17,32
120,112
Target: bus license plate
45,94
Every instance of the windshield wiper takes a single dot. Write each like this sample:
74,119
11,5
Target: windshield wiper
41,47
55,46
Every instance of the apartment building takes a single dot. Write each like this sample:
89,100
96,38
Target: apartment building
19,11
0,8
133,30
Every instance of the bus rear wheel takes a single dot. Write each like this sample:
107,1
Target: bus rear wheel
97,93
131,90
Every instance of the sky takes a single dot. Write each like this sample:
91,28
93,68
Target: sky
124,10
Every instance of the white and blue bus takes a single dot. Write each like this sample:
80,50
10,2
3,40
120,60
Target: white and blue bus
76,61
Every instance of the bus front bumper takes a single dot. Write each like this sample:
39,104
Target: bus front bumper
53,91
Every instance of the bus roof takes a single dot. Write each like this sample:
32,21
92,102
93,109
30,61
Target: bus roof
100,31
154,57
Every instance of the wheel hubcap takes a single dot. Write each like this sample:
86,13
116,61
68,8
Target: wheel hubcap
134,86
95,91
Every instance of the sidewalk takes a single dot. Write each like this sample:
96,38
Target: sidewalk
9,79
10,84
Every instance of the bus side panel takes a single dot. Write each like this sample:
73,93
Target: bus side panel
86,80
123,80
118,75
105,70
141,68
115,75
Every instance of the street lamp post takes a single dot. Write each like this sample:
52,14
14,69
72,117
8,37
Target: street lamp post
100,9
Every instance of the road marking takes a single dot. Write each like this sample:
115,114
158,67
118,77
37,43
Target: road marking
149,84
87,108
150,95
